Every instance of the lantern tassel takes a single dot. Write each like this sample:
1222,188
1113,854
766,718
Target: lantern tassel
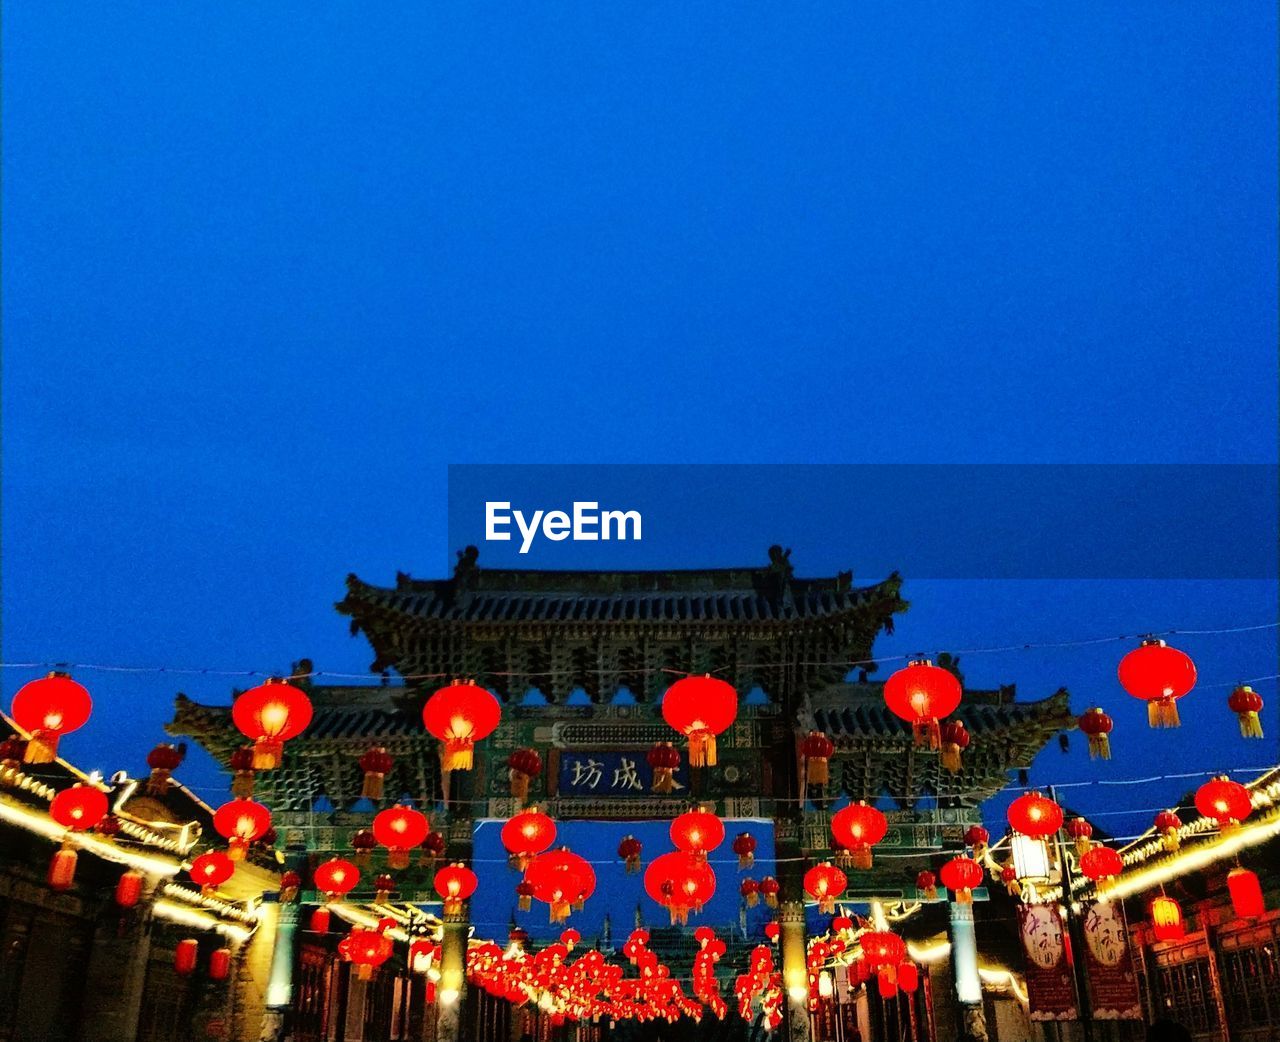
519,784
242,785
41,749
927,732
702,749
860,856
1099,747
1163,712
524,903
456,755
964,896
746,860
374,782
633,864
949,757
663,779
267,753
819,771
1171,840
1250,725
752,899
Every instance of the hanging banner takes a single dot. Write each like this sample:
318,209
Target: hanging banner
1050,991
1113,985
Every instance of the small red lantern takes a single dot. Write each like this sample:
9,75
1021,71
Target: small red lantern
570,937
363,843
880,948
290,883
696,832
375,764
163,761
1009,877
400,829
523,766
1160,675
744,845
384,886
526,835
184,956
927,884
368,949
62,869
1246,703
824,883
129,888
750,891
241,822
772,931
960,875
955,740
12,750
211,870
433,847
817,750
455,883
524,895
887,983
459,715
908,977
629,850
47,709
219,963
336,878
1035,815
1102,865
1226,801
700,708
858,827
1168,824
79,808
320,918
1246,894
664,760
1080,831
241,763
1166,919
269,715
770,889
1097,726
922,693
977,838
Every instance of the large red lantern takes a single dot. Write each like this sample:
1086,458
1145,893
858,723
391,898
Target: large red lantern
455,883
1226,801
825,883
700,708
523,766
817,750
857,828
367,949
1097,725
1166,919
163,761
47,709
1102,865
400,829
1246,893
79,808
955,740
211,870
459,715
922,693
526,835
561,879
1168,824
629,850
1160,675
681,883
961,875
269,715
744,845
697,832
664,760
880,948
375,765
1035,815
336,878
241,822
1246,703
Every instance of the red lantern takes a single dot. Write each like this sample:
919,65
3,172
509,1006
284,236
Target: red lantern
1227,802
376,764
523,766
681,883
400,829
1009,877
770,889
163,761
977,838
1168,823
129,888
927,884
47,709
319,923
336,878
368,949
1080,831
920,694
211,870
241,763
527,835
1166,919
433,847
817,750
241,822
744,845
629,850
960,875
384,886
1246,894
750,891
524,895
955,740
664,759
1246,703
219,963
184,956
824,883
880,948
561,879
908,977
1035,815
858,827
363,842
455,883
1160,675
460,715
1102,865
269,715
62,869
79,808
12,750
1097,726
772,931
570,937
290,883
696,832
887,983
700,708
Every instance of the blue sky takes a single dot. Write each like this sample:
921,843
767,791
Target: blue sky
269,270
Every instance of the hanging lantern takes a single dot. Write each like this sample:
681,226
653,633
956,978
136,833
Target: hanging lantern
955,740
433,847
977,838
1097,726
858,827
219,963
1246,703
664,760
320,919
79,808
1227,802
1160,675
773,931
770,888
524,895
12,750
696,832
241,763
163,761
1166,919
1080,831
211,870
629,850
129,888
455,883
561,879
1035,815
1102,865
523,766
290,883
750,891
1009,877
459,715
336,878
367,950
47,709
399,829
927,884
960,875
908,977
375,764
817,750
700,708
1246,893
744,845
363,843
184,956
570,937
62,869
920,694
383,888
1168,824
681,883
421,953
526,835
880,948
824,883
241,822
269,715
887,983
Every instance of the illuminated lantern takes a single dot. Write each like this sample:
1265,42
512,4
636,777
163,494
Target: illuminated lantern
1246,894
47,709
184,956
770,888
460,715
561,879
700,708
920,694
1102,865
383,888
242,776
79,808
163,761
817,749
1097,726
955,740
219,963
696,832
977,838
681,883
960,875
858,827
1246,703
1226,801
772,931
744,845
887,983
368,949
526,835
1168,824
570,937
523,766
211,870
363,843
524,895
880,949
400,829
129,888
1160,675
629,850
62,869
241,822
908,977
269,715
1080,831
320,918
1009,877
290,883
927,884
750,891
336,878
1035,815
824,883
421,952
1166,919
455,883
375,764
664,760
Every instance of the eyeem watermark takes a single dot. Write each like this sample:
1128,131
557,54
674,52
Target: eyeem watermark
586,524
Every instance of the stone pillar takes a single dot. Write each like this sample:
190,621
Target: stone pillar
117,970
279,990
795,970
451,992
964,968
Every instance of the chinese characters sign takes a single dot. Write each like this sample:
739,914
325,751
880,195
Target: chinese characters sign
1113,986
1050,989
611,774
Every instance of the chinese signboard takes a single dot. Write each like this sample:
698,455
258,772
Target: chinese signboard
1113,986
606,773
1050,989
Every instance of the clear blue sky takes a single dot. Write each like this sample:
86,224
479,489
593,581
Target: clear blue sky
269,268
